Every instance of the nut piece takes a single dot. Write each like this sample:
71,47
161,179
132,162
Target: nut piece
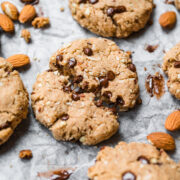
173,121
27,14
177,4
26,35
18,60
10,10
40,22
6,23
25,154
168,19
162,141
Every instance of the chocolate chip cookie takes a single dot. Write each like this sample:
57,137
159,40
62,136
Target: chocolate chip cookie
110,18
14,100
171,67
133,161
87,82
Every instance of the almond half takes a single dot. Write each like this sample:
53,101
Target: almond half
18,60
6,23
173,121
10,10
27,14
162,140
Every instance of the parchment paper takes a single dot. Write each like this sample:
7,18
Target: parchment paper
48,154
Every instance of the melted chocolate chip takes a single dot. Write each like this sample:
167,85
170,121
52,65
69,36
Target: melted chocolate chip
67,88
65,117
107,94
132,67
78,79
93,1
59,58
72,62
120,101
110,75
143,160
177,64
33,2
75,97
82,1
113,10
88,51
103,81
98,103
128,176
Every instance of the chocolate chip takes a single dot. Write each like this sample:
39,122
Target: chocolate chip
143,160
77,90
67,88
103,81
93,1
107,94
72,62
120,101
78,79
128,176
177,64
110,75
98,103
75,97
85,85
82,1
113,10
132,67
65,117
59,58
88,51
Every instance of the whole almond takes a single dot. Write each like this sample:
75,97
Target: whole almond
10,10
173,121
6,23
18,60
162,141
27,14
177,4
168,19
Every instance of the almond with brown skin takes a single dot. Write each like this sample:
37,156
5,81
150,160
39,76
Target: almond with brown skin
19,60
25,154
10,10
173,121
162,141
27,14
168,19
6,23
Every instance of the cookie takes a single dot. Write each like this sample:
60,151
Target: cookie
171,67
133,161
111,18
97,65
14,100
70,116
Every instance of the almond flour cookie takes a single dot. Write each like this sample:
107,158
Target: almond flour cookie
110,18
14,100
97,65
133,161
69,116
171,67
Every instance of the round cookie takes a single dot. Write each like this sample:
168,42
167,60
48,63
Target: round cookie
133,161
97,65
70,116
110,18
14,100
171,67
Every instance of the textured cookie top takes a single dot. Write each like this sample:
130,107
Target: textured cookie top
112,18
133,161
14,100
171,67
99,66
70,117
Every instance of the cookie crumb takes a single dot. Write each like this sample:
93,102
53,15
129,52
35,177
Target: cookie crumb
151,48
26,35
62,9
25,154
145,69
40,22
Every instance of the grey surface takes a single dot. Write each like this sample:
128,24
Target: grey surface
48,154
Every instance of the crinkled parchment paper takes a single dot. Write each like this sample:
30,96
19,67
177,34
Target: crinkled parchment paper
48,154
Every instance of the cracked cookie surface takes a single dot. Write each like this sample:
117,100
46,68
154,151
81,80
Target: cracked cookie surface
171,67
111,18
14,100
133,161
